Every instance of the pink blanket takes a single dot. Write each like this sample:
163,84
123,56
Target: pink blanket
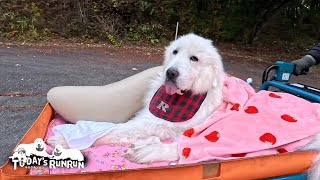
247,124
103,158
251,124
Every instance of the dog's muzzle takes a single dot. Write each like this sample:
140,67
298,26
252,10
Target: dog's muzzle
171,82
171,75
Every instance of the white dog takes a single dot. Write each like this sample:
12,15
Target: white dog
60,153
192,64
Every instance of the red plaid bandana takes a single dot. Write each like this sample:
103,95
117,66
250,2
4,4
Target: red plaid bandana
175,108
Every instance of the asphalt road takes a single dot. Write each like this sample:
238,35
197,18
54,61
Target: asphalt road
27,73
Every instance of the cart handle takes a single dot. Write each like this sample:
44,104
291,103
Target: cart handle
282,74
267,71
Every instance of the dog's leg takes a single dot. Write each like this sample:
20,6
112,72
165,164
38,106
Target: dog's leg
147,153
314,171
314,145
146,142
140,127
129,132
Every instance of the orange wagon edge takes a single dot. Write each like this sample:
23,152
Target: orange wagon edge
251,168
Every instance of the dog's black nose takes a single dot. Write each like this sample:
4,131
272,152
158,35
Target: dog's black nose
172,74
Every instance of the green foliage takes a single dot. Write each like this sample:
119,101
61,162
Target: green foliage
154,21
22,21
113,40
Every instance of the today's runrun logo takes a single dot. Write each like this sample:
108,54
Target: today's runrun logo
35,154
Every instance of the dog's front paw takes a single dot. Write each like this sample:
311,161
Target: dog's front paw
143,153
151,150
57,140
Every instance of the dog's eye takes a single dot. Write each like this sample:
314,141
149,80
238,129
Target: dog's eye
175,52
193,58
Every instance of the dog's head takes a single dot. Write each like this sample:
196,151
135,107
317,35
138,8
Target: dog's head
192,63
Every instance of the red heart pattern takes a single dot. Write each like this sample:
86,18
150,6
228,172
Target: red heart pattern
235,107
239,155
274,95
189,132
282,150
251,110
268,139
186,152
213,136
288,118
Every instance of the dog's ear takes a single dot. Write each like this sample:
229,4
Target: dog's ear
214,77
217,66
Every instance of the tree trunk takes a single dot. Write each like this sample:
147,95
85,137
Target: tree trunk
265,17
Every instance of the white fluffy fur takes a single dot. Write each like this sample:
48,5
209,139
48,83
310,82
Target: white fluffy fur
145,131
205,75
314,145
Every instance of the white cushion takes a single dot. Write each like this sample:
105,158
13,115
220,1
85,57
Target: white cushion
116,102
